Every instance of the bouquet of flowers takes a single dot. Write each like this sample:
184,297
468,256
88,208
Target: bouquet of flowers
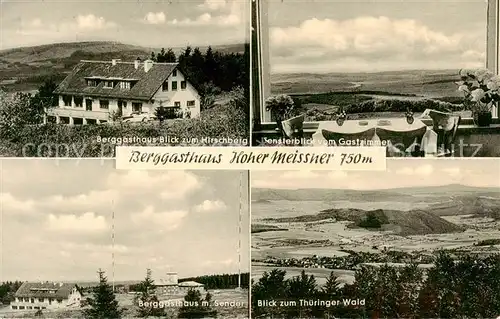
481,89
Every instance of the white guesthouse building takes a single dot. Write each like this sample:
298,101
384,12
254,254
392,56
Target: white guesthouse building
96,91
46,295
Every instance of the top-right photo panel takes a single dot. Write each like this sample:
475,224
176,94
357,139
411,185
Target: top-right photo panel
418,77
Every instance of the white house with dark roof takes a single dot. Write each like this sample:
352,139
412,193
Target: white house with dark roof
96,91
46,295
169,284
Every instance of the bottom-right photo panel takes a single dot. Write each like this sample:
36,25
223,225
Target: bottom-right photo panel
419,240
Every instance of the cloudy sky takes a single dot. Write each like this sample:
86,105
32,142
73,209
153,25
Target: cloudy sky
56,219
400,173
377,35
160,23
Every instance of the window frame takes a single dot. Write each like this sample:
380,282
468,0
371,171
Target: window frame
183,85
104,104
174,87
191,103
164,86
260,25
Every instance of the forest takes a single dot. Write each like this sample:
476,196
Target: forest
455,287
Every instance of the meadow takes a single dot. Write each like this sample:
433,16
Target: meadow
320,96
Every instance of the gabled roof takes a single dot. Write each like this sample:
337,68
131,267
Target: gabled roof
190,284
43,290
146,83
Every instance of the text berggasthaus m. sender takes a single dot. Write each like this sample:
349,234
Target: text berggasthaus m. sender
173,140
183,303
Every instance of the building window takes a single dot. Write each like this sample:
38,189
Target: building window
108,84
44,307
92,83
177,104
78,101
32,300
174,73
14,307
21,307
67,100
174,86
137,107
122,104
437,62
104,104
125,85
183,85
164,87
191,103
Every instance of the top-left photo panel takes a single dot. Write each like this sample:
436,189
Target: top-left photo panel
79,78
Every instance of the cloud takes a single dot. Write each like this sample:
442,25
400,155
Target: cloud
11,204
168,185
220,13
155,18
79,24
92,22
209,206
87,222
213,5
421,170
369,42
168,220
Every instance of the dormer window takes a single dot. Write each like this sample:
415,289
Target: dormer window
92,82
108,84
125,85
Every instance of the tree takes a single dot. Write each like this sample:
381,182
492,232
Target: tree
208,92
301,287
147,301
271,286
170,56
103,303
16,112
197,307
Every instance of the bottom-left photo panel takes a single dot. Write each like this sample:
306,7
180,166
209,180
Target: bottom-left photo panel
81,239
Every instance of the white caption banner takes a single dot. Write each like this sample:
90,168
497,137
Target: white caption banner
251,158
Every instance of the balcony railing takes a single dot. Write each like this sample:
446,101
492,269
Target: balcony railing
64,112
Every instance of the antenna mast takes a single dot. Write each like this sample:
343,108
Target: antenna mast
239,230
113,245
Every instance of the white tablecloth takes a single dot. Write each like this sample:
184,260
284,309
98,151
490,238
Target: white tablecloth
396,125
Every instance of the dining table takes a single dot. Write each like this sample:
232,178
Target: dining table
398,134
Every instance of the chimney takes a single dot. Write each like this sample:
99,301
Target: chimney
148,64
114,61
136,63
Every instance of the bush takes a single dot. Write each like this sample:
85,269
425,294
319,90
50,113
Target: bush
59,140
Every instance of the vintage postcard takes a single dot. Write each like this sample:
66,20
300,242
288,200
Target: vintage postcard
420,240
78,78
417,77
83,240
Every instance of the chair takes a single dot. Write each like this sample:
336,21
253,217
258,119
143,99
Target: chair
446,126
293,128
400,141
348,139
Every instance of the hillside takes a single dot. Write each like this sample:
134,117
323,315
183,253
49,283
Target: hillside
397,194
25,69
479,206
59,51
414,222
321,194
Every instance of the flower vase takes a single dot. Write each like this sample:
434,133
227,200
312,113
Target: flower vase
482,118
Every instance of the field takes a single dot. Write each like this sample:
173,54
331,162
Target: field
418,222
231,304
320,96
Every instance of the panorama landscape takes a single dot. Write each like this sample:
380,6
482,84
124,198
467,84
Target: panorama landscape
145,71
419,241
176,247
373,58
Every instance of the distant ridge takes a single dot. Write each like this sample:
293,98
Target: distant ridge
64,50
